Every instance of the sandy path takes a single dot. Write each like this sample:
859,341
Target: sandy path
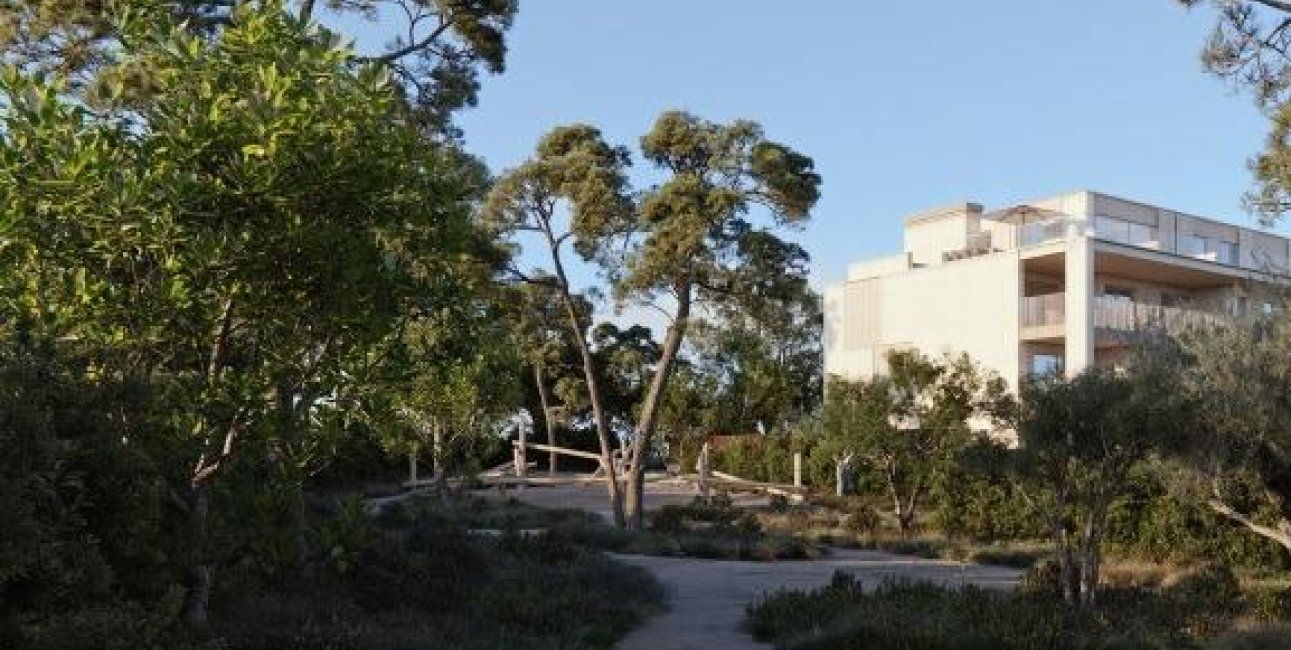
706,598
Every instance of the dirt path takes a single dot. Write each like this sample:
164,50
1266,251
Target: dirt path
706,598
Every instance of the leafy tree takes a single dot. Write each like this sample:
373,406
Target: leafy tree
689,240
545,345
692,241
909,424
1250,48
1081,438
438,50
237,235
628,356
573,170
1239,458
767,363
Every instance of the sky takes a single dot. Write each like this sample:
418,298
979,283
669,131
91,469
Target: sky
903,105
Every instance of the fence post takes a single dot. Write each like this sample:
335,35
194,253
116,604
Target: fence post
797,469
412,464
703,468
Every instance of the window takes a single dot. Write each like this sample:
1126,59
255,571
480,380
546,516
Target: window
1174,300
1046,364
1226,252
1112,229
1141,235
1125,232
1195,246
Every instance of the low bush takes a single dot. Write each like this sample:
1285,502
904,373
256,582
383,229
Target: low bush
1265,636
1197,613
426,581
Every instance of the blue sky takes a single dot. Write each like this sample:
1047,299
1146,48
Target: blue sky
903,105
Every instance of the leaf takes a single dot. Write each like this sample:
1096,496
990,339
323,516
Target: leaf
255,150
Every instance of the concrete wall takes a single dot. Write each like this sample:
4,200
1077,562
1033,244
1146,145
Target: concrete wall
926,240
967,306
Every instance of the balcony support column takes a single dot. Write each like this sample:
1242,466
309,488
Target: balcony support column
1079,304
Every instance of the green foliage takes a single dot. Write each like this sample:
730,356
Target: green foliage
1082,437
980,497
906,427
920,615
767,458
1259,637
1235,457
79,511
424,580
1154,523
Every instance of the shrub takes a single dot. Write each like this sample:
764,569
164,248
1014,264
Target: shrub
1207,597
1261,637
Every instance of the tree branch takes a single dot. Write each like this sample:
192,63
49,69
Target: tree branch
1279,5
395,55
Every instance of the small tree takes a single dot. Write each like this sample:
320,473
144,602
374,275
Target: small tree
1080,438
908,425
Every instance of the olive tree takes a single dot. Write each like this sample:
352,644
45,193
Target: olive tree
1080,438
907,424
1238,453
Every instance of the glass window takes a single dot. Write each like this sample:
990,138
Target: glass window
1112,229
1141,235
1046,364
1226,252
1194,245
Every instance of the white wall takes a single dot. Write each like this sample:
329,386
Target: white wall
968,306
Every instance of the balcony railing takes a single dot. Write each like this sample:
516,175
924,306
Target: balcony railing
1118,314
1041,232
1040,311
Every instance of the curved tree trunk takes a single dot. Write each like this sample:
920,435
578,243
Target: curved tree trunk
641,437
1279,532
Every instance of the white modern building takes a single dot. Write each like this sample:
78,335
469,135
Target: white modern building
1062,282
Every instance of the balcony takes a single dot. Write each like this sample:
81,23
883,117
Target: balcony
1044,317
1122,315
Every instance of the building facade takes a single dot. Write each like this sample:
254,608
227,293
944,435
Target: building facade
1058,284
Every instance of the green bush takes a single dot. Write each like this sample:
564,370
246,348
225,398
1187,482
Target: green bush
1263,637
904,615
1152,524
766,458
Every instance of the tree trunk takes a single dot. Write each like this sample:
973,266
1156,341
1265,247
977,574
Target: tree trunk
589,373
545,399
906,516
650,408
1280,532
198,595
598,409
1062,547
